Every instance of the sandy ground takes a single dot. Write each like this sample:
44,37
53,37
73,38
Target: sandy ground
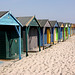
56,60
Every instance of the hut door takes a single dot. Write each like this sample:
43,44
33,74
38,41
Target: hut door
2,45
33,43
66,32
13,43
48,35
55,34
62,33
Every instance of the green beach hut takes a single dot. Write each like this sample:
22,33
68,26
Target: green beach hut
10,36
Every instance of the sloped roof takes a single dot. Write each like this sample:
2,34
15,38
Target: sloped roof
68,24
24,20
64,24
53,23
3,13
60,23
73,25
42,22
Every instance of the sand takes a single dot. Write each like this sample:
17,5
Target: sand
56,60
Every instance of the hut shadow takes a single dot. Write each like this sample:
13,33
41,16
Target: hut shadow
33,51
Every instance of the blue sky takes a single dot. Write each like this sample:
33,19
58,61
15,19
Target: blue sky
60,10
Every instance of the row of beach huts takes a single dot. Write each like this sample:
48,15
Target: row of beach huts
20,35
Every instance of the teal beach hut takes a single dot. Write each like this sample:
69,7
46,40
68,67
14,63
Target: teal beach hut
30,31
10,36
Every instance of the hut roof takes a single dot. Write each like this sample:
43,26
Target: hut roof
25,20
3,13
64,24
60,23
42,22
67,24
53,23
73,25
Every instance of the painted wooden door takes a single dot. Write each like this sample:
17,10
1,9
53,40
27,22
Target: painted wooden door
67,32
41,37
52,35
55,34
60,33
2,45
45,36
64,33
48,35
13,43
33,37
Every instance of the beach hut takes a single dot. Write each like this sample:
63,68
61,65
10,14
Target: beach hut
61,31
10,36
45,36
66,31
30,31
74,28
54,32
69,30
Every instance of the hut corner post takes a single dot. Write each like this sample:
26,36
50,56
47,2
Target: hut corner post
59,34
43,37
53,34
63,34
26,33
67,32
19,42
39,39
70,31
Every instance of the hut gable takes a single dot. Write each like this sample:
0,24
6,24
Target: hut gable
6,18
60,24
69,24
28,21
66,24
54,23
44,23
34,22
